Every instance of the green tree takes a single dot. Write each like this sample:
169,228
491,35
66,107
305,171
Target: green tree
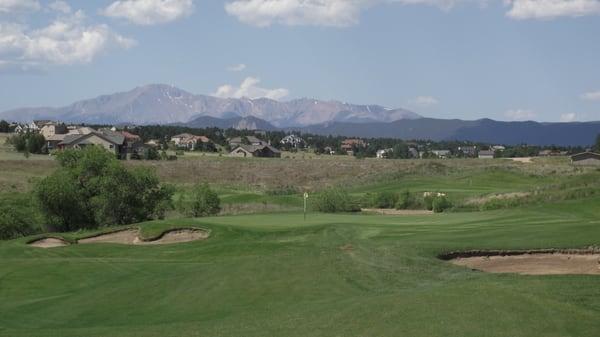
4,126
202,202
92,188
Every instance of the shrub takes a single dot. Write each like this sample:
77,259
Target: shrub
91,188
283,190
385,200
18,217
202,202
440,204
334,200
28,143
406,200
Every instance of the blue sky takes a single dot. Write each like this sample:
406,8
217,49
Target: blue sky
469,59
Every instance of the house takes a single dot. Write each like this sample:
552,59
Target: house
414,153
189,142
348,145
51,129
178,139
383,153
53,141
486,154
246,140
498,148
266,151
586,159
153,143
468,151
37,125
442,154
112,142
292,141
329,150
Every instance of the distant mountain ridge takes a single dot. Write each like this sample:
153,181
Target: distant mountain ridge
165,104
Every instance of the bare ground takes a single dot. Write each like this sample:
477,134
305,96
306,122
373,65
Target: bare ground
49,243
534,264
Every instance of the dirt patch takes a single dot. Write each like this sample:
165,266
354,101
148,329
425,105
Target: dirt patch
540,262
385,211
131,237
48,243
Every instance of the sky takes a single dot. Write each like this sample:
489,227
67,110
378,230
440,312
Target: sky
467,59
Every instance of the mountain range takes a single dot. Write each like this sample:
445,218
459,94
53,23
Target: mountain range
164,104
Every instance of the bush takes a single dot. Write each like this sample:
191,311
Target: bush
202,202
18,217
440,204
334,200
406,200
92,188
385,200
283,190
28,143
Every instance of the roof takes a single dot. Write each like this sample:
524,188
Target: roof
486,153
70,139
254,148
251,139
585,155
130,136
183,135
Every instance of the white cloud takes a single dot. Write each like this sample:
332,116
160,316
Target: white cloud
297,12
550,9
66,40
520,114
333,13
591,96
424,101
8,6
60,6
250,89
150,12
569,117
237,67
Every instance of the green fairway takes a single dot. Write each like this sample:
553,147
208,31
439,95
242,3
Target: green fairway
333,275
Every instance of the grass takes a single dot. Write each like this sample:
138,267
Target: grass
333,275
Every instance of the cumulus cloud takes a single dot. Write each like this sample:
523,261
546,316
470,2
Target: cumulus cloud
66,40
591,96
249,88
569,117
520,114
424,101
150,12
333,13
60,6
8,6
550,9
237,67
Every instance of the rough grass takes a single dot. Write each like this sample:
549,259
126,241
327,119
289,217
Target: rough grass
333,275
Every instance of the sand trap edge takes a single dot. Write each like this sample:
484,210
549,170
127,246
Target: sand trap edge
61,242
483,253
156,239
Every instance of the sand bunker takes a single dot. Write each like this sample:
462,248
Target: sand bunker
583,262
386,211
131,237
48,243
